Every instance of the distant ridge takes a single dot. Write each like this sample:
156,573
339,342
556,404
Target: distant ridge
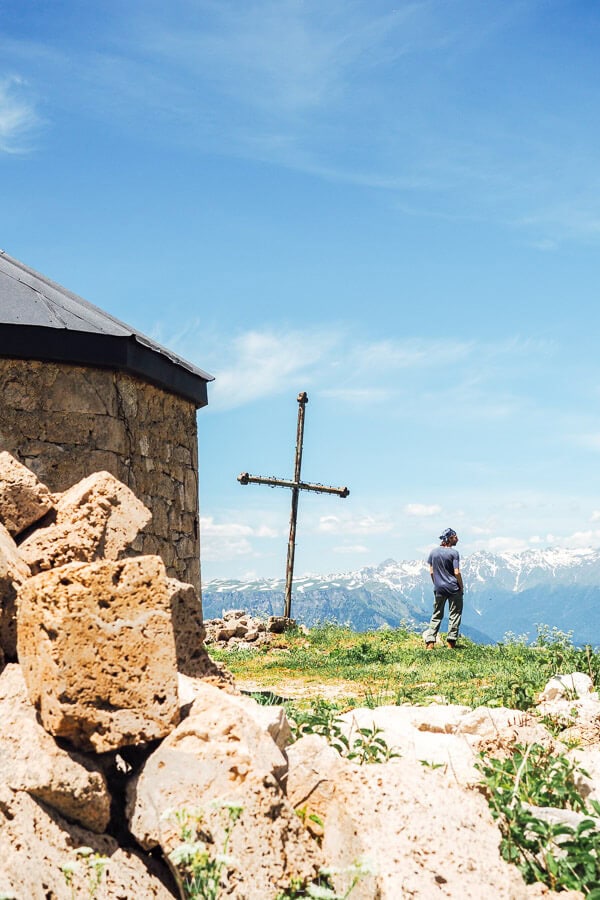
505,592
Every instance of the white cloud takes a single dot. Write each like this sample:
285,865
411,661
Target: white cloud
487,377
210,528
422,509
595,515
220,542
361,524
225,548
351,549
506,545
259,364
17,116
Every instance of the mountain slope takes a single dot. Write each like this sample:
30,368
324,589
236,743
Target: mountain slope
504,592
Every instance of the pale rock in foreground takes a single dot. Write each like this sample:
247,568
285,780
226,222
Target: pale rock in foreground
402,728
97,518
570,687
588,759
97,649
186,613
13,572
23,498
32,761
36,843
220,754
422,836
314,770
271,719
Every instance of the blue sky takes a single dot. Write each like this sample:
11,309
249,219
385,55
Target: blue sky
392,206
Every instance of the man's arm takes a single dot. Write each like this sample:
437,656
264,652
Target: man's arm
458,574
431,572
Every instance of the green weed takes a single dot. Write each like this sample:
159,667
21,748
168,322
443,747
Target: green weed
557,855
322,887
198,868
85,872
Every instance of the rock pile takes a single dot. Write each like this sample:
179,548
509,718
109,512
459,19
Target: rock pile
236,630
123,748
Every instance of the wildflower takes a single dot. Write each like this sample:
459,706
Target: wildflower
320,893
185,852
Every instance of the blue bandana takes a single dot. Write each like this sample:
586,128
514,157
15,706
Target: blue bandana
447,534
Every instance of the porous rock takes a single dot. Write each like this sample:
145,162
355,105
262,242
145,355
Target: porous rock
36,843
220,755
97,518
570,687
13,572
401,727
415,829
314,768
97,649
186,615
23,498
271,718
32,761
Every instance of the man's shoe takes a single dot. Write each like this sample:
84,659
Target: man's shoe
451,644
430,645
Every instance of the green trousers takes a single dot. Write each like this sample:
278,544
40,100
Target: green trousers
455,608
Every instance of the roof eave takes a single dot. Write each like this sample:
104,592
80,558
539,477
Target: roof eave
104,351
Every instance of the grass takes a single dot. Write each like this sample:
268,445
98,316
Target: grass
393,667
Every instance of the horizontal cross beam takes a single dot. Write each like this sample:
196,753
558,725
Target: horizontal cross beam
245,478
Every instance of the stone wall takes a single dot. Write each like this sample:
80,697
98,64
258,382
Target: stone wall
65,422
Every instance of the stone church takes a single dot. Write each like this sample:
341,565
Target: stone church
83,392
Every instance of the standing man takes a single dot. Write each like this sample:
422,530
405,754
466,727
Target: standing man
444,568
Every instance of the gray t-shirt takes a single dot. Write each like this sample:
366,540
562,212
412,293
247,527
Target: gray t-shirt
444,561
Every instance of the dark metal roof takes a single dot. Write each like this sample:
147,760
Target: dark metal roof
39,319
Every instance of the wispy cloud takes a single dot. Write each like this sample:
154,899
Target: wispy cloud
354,524
422,509
18,117
486,380
375,96
259,364
229,540
351,549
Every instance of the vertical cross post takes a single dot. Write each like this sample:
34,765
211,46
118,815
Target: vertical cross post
296,486
289,568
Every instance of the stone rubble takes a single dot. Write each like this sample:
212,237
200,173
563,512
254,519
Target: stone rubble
23,498
236,630
114,720
98,518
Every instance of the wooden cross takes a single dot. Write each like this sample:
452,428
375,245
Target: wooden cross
296,486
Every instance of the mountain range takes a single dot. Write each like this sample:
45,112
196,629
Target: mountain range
505,592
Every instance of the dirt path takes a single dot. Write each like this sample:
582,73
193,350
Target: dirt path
302,689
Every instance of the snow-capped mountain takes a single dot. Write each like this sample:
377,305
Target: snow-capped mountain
504,592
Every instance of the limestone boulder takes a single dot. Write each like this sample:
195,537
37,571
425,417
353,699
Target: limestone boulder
412,827
488,721
271,718
218,756
97,649
23,498
13,572
570,687
588,760
314,769
36,845
32,761
186,614
402,729
98,518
